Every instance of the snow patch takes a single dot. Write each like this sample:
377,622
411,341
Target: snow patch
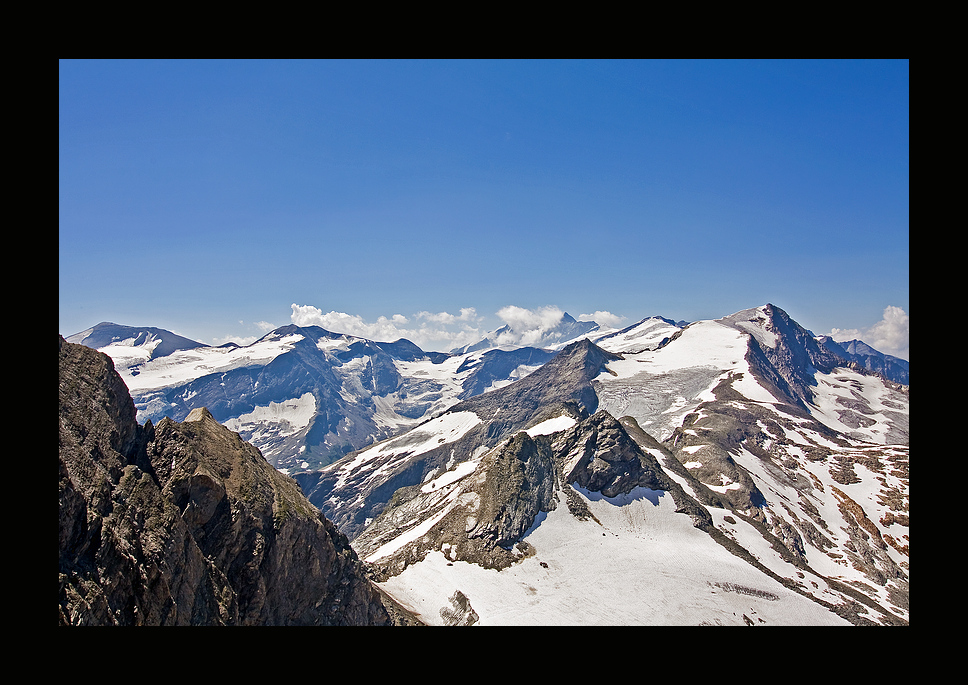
297,413
559,423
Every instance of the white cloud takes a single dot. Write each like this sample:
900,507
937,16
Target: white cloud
444,330
527,326
383,330
434,332
604,318
890,335
466,314
265,326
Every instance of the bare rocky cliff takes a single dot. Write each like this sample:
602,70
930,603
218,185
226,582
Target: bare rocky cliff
185,523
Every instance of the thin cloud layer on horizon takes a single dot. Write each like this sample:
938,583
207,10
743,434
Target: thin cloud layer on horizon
425,329
440,331
444,331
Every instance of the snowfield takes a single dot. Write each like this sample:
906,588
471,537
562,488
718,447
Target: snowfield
559,423
640,564
434,433
184,366
285,417
659,387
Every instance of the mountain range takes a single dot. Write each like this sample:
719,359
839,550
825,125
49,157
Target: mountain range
730,471
186,524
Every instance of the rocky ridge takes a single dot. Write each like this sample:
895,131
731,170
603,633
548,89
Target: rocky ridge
354,490
185,523
765,450
481,518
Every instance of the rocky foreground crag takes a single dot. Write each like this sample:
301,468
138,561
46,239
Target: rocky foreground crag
186,524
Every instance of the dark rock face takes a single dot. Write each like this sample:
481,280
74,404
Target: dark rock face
186,524
609,461
567,377
520,482
462,613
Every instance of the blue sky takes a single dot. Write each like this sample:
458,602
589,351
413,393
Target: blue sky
218,198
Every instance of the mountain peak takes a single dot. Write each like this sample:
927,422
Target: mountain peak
199,414
154,342
564,331
566,377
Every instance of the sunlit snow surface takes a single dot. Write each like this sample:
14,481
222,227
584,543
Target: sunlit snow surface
183,366
643,564
881,416
126,353
647,334
385,456
282,418
559,423
660,386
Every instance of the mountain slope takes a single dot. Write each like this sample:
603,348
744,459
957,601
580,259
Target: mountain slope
532,504
303,395
133,344
186,524
356,488
729,471
865,356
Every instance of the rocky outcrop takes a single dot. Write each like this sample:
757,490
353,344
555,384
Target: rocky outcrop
186,524
520,482
354,490
484,517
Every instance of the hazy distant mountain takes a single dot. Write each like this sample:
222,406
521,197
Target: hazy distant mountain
138,343
566,331
894,368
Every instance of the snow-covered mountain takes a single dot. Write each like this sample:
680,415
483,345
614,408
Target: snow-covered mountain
894,368
566,331
129,346
728,471
303,395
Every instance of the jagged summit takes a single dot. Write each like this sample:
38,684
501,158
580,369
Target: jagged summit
566,377
458,435
865,356
566,330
